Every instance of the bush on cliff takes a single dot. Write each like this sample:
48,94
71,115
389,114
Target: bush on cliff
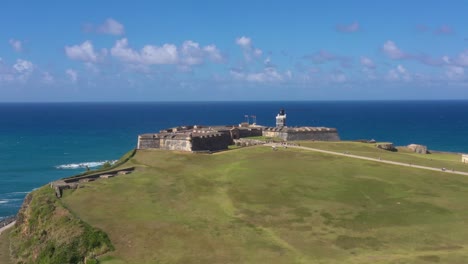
47,232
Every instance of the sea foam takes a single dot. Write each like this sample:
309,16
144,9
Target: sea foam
91,164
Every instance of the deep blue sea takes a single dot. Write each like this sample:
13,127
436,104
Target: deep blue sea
41,142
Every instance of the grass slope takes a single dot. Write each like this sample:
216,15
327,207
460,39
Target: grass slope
46,232
255,205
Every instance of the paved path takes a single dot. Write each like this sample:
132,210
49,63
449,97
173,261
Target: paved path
7,227
371,159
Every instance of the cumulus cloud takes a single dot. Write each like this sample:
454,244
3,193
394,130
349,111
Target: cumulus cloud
244,42
83,52
72,75
149,54
367,63
250,52
214,54
188,54
17,45
192,53
111,27
399,73
268,74
353,27
392,51
23,66
455,72
462,59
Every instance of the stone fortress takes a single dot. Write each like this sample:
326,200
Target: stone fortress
197,138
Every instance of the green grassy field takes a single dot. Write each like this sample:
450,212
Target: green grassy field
436,160
255,205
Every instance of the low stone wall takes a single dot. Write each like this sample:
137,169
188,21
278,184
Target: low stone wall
331,135
276,134
74,182
313,135
245,142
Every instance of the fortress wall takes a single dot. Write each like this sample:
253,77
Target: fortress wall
147,142
176,144
211,142
331,135
281,135
250,132
313,135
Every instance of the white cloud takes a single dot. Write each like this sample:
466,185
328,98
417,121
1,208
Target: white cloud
455,72
401,69
257,52
250,52
149,54
244,42
192,53
214,54
268,74
399,73
368,63
462,59
23,66
83,52
392,51
17,45
72,75
111,27
446,59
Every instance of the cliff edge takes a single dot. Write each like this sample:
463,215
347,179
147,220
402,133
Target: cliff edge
47,232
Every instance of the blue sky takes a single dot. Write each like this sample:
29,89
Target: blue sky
233,50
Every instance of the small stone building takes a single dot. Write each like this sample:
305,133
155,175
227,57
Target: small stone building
465,158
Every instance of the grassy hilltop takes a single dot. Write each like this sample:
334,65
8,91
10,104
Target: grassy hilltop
255,205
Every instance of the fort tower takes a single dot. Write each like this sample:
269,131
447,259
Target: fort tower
281,119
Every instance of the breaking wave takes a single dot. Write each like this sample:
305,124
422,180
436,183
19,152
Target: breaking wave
83,165
4,201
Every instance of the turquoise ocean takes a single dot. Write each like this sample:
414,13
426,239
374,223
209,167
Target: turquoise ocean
41,142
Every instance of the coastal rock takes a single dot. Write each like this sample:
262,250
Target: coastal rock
386,146
421,149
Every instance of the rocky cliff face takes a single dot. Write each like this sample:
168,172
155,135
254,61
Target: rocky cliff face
46,232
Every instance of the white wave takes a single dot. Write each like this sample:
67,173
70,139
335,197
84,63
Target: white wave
4,201
82,165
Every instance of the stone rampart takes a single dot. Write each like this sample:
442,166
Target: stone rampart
148,141
245,142
211,142
182,144
320,134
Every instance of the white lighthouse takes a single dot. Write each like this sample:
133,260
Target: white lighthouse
281,119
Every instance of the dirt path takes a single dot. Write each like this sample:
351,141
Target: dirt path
7,227
278,146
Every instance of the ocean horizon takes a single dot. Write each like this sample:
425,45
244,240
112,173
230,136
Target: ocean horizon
41,142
